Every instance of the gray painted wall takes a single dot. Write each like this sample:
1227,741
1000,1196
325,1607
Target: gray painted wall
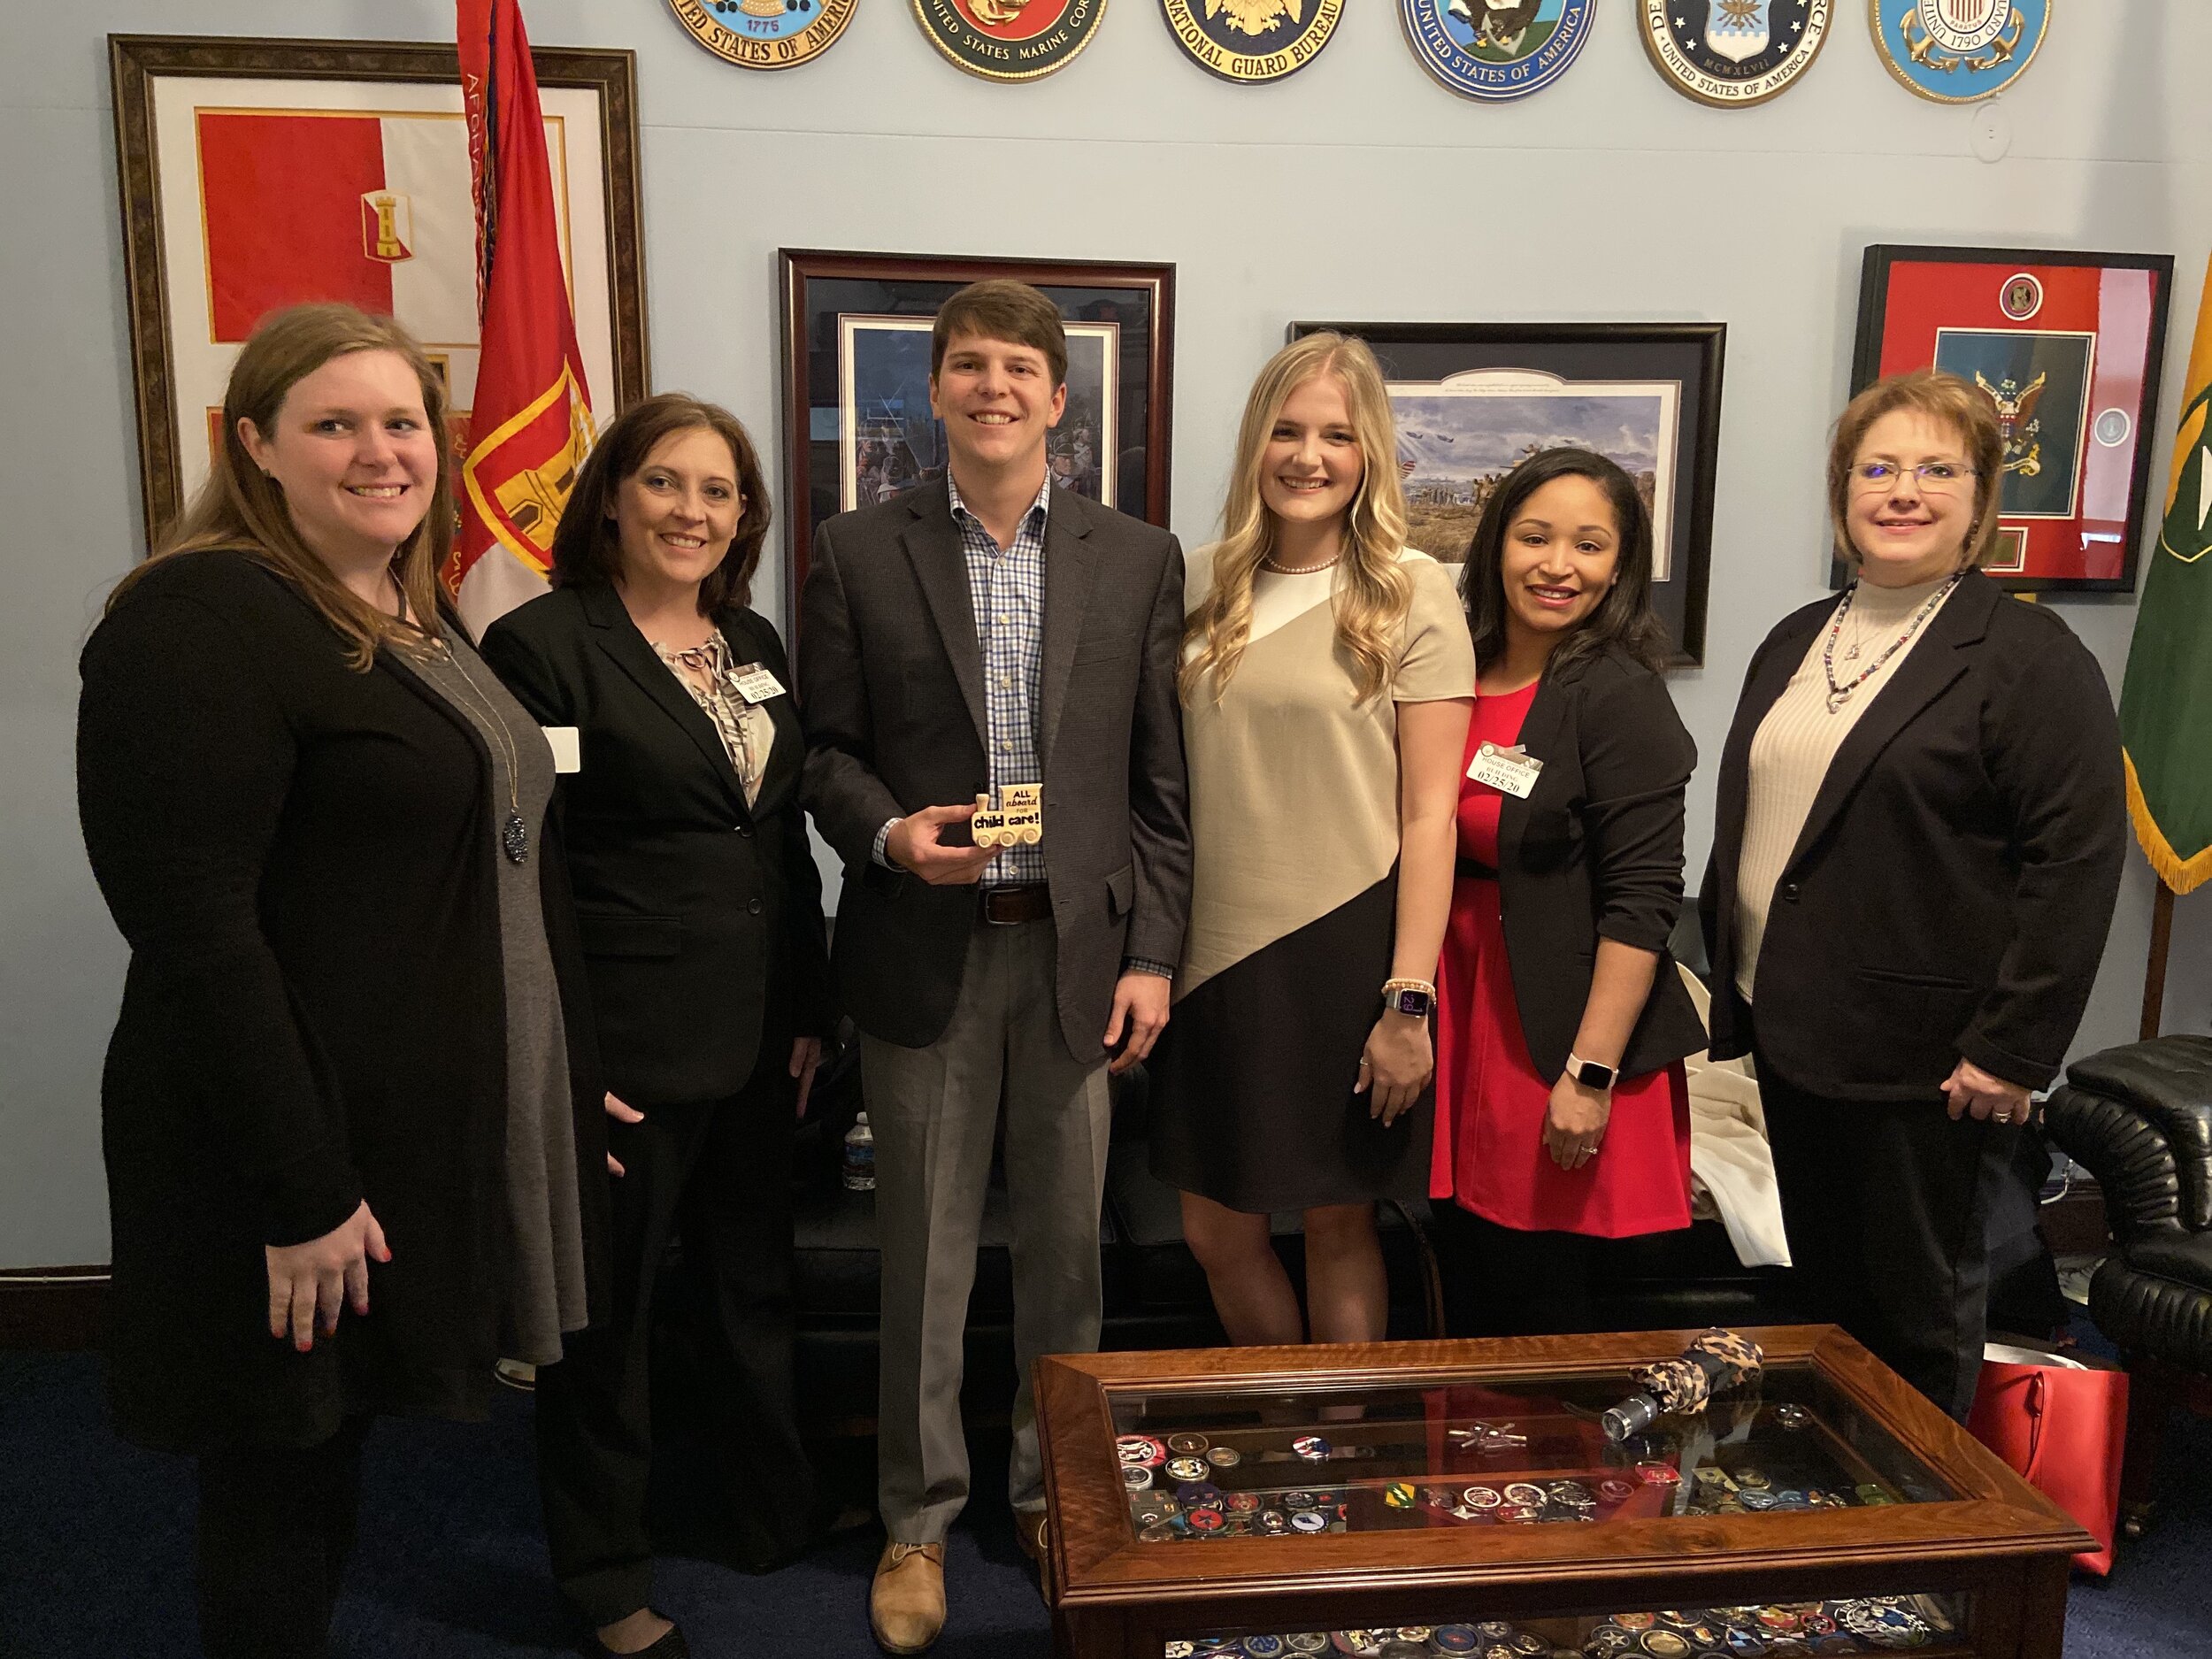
1358,190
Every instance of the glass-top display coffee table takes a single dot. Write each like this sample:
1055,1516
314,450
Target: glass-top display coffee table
1403,1500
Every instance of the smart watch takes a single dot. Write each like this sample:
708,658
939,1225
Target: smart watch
1410,998
1590,1074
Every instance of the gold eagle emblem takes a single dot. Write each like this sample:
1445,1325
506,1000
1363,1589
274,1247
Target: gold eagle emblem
1255,17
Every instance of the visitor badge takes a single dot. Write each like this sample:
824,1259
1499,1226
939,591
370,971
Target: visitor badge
567,746
757,685
1505,769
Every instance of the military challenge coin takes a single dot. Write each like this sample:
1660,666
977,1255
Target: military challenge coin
1251,41
1495,49
1009,39
1733,53
1957,51
766,33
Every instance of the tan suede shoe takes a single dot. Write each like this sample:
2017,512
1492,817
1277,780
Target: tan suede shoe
906,1604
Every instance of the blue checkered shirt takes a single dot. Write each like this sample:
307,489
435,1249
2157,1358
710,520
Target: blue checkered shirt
1007,587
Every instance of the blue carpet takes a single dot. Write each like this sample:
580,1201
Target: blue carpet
95,1547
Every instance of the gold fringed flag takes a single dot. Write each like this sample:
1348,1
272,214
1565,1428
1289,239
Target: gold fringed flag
2166,702
532,425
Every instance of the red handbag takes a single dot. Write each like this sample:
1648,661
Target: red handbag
2061,1422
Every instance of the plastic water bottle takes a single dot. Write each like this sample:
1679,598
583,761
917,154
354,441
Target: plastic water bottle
860,1157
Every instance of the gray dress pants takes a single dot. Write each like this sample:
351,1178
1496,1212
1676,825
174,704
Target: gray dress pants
935,1111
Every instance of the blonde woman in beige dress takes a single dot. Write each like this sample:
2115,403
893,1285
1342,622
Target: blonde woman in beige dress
1327,685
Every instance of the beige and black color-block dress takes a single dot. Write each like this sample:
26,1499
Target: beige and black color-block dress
1294,797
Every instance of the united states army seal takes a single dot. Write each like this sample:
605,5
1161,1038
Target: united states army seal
1496,50
1009,39
1730,53
766,33
1251,41
1957,51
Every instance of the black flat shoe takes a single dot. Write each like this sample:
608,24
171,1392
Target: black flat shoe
670,1646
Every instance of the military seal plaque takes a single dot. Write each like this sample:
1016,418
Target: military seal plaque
1496,50
766,33
1009,39
1958,51
1252,41
1730,53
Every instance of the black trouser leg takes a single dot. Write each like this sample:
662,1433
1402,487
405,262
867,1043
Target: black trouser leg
1503,1281
276,1526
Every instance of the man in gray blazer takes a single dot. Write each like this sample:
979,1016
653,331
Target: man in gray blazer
986,630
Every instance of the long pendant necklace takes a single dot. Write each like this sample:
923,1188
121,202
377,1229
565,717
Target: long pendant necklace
514,834
1837,694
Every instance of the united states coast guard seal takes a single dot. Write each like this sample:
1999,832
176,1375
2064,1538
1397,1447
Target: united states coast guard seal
1496,50
1009,39
1733,52
1251,41
766,33
1958,51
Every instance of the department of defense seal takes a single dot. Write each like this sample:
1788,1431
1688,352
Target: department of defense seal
1009,39
1733,52
766,33
1957,51
1252,40
1496,49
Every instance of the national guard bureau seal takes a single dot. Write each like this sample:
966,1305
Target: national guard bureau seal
1496,50
1009,39
1251,41
1957,51
766,33
1730,53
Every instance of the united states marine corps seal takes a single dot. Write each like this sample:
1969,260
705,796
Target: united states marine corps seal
1009,39
1251,41
1957,51
766,33
1496,50
1730,53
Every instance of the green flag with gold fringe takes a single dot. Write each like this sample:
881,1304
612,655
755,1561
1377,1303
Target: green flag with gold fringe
2166,701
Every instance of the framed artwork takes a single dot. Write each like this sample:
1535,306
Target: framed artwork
2068,347
259,173
1473,400
858,425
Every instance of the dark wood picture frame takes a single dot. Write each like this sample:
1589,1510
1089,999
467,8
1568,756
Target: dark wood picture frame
136,61
914,286
1693,355
2135,379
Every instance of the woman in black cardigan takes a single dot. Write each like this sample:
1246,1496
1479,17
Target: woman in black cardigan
700,906
1919,836
1561,1111
303,801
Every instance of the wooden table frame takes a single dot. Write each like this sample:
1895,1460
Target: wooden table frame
1115,1598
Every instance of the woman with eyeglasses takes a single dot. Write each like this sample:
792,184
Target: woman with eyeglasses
1918,841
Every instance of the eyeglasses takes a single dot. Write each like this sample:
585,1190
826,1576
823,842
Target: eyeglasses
1937,477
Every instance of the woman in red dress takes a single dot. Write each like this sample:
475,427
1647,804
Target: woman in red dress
1561,1114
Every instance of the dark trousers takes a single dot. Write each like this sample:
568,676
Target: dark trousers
276,1526
1887,1204
716,1175
1503,1281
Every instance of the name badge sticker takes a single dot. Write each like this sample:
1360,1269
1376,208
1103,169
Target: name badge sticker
1505,769
757,685
567,745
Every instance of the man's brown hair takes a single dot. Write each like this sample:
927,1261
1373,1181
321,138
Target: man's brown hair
1948,401
1000,309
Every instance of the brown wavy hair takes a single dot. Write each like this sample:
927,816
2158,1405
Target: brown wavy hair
1941,397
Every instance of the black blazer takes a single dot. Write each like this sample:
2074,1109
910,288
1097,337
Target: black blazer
698,913
1595,852
893,674
1951,890
303,862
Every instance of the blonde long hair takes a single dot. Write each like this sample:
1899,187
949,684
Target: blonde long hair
1376,589
242,510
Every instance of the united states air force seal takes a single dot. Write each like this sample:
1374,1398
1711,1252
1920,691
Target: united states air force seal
1733,52
1496,49
1009,39
766,33
1252,40
1956,51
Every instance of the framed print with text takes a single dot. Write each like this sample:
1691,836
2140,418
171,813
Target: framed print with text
1473,400
259,173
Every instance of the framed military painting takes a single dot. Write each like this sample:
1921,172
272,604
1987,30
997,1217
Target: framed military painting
1474,400
2067,347
858,428
258,174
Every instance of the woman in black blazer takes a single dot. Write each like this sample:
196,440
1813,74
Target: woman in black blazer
352,1071
700,907
1919,838
1561,1112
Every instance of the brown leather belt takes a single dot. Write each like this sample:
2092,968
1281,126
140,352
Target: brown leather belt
1003,907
